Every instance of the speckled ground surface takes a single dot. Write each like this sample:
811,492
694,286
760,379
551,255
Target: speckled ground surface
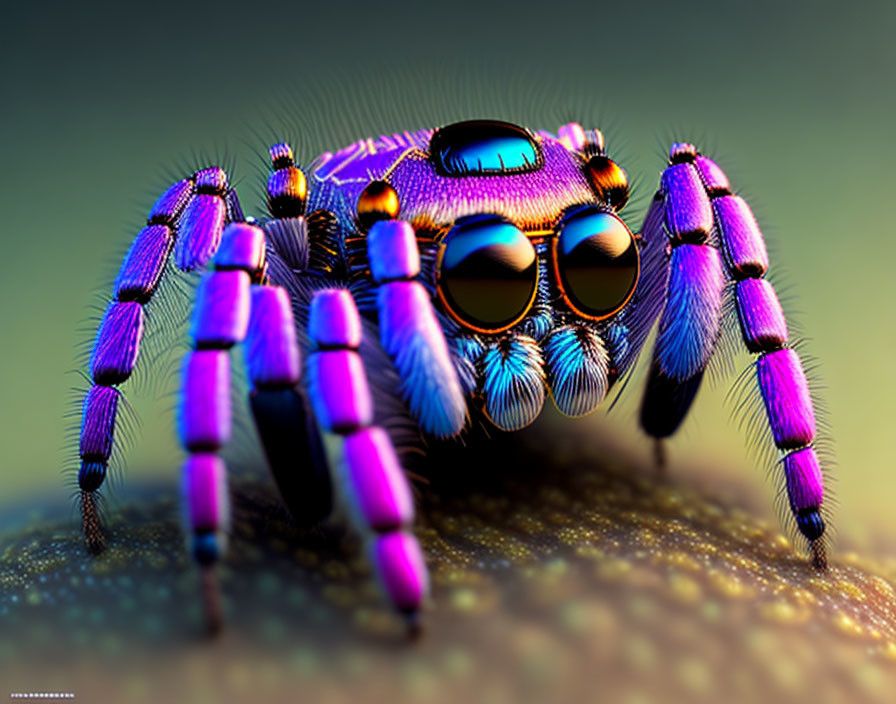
560,573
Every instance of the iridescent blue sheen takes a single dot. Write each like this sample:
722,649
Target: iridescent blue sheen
483,147
577,366
476,232
513,382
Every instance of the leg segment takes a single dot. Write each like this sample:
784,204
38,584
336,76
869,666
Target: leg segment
220,320
282,414
410,333
377,488
193,212
698,203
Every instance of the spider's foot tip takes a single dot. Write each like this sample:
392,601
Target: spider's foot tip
96,545
819,555
211,600
414,626
660,457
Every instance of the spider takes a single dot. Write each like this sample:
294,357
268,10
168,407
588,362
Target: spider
426,283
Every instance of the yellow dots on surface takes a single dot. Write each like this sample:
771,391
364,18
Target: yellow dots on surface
463,600
850,590
613,568
783,612
889,651
846,624
684,589
729,585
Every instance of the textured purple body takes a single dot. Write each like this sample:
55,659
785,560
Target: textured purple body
117,343
377,481
743,243
98,425
333,320
689,326
143,266
205,490
414,340
221,315
272,351
339,390
205,403
402,569
392,249
714,179
427,199
761,318
171,202
804,481
787,401
688,212
200,231
242,247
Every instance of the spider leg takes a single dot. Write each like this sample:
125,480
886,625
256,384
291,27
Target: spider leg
376,485
283,417
221,320
192,212
699,203
410,332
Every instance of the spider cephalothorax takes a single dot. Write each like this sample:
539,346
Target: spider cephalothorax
429,278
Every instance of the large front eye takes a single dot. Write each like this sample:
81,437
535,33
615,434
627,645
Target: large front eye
597,263
483,147
487,273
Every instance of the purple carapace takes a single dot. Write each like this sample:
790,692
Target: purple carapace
440,280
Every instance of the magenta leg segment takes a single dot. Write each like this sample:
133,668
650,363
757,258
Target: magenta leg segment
376,485
221,320
782,382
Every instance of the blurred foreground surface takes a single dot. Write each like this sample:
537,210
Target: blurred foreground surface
562,571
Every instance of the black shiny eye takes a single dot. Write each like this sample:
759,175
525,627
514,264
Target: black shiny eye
597,262
487,273
480,147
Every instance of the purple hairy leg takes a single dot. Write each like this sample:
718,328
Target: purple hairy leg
376,485
410,332
191,212
782,381
690,322
220,320
698,200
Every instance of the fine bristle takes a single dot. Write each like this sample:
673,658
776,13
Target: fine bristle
93,529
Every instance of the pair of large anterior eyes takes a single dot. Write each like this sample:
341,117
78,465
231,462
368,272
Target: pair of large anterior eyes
487,270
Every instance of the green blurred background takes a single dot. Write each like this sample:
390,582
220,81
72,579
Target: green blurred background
101,105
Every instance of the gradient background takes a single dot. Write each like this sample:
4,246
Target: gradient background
102,107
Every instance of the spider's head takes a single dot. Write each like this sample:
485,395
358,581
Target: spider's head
523,250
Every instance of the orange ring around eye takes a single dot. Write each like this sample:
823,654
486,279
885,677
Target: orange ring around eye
486,242
568,297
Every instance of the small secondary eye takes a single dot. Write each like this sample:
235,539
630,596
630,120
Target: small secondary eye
608,180
378,201
482,147
597,262
487,273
